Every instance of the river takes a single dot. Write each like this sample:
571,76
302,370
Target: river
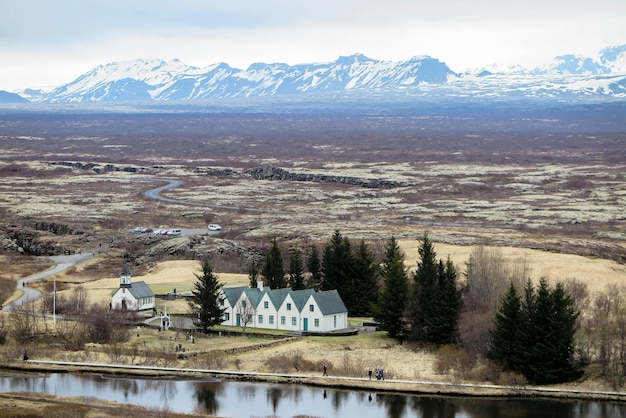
248,399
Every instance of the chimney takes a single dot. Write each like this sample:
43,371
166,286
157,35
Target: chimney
259,285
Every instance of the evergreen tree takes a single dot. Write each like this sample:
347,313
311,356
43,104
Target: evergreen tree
390,307
505,345
314,266
204,301
296,269
338,270
253,274
366,283
423,300
273,271
541,335
443,324
551,324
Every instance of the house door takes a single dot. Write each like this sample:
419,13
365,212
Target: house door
238,320
305,324
124,304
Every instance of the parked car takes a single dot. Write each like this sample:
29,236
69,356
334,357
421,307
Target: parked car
214,227
146,230
157,232
173,232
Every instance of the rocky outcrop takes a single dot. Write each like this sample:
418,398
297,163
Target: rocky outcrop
275,173
27,241
216,171
55,228
98,168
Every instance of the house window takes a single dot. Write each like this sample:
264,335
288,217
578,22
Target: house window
226,316
221,302
294,321
266,304
311,308
282,320
335,321
260,319
243,303
317,323
289,306
271,319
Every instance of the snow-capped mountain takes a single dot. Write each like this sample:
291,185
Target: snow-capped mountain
158,80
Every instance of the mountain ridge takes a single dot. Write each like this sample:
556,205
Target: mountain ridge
159,80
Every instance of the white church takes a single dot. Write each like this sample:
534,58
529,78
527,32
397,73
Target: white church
132,296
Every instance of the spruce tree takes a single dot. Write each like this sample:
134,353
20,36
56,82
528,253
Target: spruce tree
273,271
421,307
366,280
296,269
505,345
537,339
314,266
204,301
338,270
391,304
253,274
443,324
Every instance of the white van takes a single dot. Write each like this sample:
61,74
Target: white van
173,232
214,227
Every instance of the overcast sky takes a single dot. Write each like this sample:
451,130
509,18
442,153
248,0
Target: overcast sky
45,43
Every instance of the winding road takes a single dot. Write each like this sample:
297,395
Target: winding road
171,184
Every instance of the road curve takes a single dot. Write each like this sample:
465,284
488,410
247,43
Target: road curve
61,263
171,184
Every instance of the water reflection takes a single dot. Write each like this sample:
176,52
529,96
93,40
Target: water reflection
244,399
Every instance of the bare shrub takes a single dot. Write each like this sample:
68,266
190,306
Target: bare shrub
452,358
215,359
4,329
488,276
284,363
104,326
71,334
25,322
512,379
7,288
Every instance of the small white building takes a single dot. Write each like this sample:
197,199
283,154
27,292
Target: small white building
132,296
284,309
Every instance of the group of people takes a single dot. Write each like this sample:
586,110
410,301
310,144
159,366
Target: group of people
380,374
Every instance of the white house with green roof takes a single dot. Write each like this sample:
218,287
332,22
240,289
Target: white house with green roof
284,309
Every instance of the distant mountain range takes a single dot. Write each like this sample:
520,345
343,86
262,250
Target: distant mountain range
157,80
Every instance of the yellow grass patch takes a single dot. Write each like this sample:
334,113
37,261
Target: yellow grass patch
596,273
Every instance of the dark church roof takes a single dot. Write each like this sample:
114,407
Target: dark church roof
140,290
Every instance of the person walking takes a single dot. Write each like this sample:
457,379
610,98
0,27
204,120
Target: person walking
325,369
370,373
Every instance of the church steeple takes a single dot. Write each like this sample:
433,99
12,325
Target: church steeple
125,277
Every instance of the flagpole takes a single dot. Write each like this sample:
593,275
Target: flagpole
54,304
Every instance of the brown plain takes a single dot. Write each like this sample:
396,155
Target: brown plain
548,188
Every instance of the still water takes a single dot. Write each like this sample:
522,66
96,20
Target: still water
244,399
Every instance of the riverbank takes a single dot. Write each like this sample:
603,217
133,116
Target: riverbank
411,387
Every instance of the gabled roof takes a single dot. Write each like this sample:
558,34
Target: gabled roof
232,294
329,302
277,296
254,296
140,290
301,296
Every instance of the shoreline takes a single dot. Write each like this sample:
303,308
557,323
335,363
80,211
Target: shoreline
339,382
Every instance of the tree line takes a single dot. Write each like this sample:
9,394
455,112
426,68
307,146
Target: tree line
541,334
